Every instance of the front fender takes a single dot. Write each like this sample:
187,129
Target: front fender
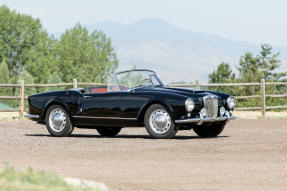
145,106
175,105
54,101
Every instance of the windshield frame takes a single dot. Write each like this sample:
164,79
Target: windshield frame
136,70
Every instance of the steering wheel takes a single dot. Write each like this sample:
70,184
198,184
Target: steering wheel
141,83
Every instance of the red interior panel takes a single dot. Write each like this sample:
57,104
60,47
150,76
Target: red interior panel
99,90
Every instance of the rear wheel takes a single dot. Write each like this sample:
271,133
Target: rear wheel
109,131
212,130
58,122
158,122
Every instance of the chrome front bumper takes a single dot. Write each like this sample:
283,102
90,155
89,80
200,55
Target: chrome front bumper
199,121
31,116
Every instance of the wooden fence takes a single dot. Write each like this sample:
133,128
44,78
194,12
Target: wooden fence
197,85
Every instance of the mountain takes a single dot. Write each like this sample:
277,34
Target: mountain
176,54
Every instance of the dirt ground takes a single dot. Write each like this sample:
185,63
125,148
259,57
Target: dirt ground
248,155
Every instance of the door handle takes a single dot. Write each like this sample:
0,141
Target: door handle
87,96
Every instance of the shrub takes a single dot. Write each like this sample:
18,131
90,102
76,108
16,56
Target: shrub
31,180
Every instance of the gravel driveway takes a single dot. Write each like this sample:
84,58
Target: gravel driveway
248,155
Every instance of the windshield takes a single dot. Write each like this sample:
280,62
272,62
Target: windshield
137,78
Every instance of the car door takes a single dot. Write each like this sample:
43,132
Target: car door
130,104
101,109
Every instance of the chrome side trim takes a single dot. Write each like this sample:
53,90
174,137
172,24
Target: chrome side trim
200,121
28,115
91,117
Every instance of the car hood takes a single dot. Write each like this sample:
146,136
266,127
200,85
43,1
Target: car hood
178,90
181,91
186,92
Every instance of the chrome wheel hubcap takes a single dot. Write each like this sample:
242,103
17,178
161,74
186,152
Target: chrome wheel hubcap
57,120
160,121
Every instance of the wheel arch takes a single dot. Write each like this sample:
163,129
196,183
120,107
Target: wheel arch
54,102
143,110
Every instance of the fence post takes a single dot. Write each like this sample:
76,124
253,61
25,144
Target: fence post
263,108
21,104
75,83
197,84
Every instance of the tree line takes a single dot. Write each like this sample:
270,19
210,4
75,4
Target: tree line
252,68
28,52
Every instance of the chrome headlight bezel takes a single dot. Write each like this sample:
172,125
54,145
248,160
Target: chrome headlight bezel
189,105
231,102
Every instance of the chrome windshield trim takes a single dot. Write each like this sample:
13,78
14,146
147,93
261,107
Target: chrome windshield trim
28,115
137,70
117,83
92,117
134,70
200,121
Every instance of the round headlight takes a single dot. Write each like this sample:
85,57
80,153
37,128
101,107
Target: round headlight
231,102
189,105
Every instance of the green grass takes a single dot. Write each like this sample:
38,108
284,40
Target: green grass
31,180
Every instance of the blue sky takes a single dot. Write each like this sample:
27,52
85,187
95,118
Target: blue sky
257,21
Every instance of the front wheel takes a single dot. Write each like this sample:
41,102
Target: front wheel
212,130
109,131
158,122
58,122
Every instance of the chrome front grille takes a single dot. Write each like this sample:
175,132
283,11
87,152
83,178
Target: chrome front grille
211,106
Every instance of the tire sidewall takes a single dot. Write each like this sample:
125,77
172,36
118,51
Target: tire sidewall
67,129
171,131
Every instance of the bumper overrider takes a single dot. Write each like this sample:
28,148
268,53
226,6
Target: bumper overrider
199,121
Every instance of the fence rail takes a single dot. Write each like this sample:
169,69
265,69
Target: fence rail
48,85
197,85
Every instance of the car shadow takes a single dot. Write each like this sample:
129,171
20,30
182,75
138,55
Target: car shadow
125,136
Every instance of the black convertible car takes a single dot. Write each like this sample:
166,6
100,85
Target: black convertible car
133,98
